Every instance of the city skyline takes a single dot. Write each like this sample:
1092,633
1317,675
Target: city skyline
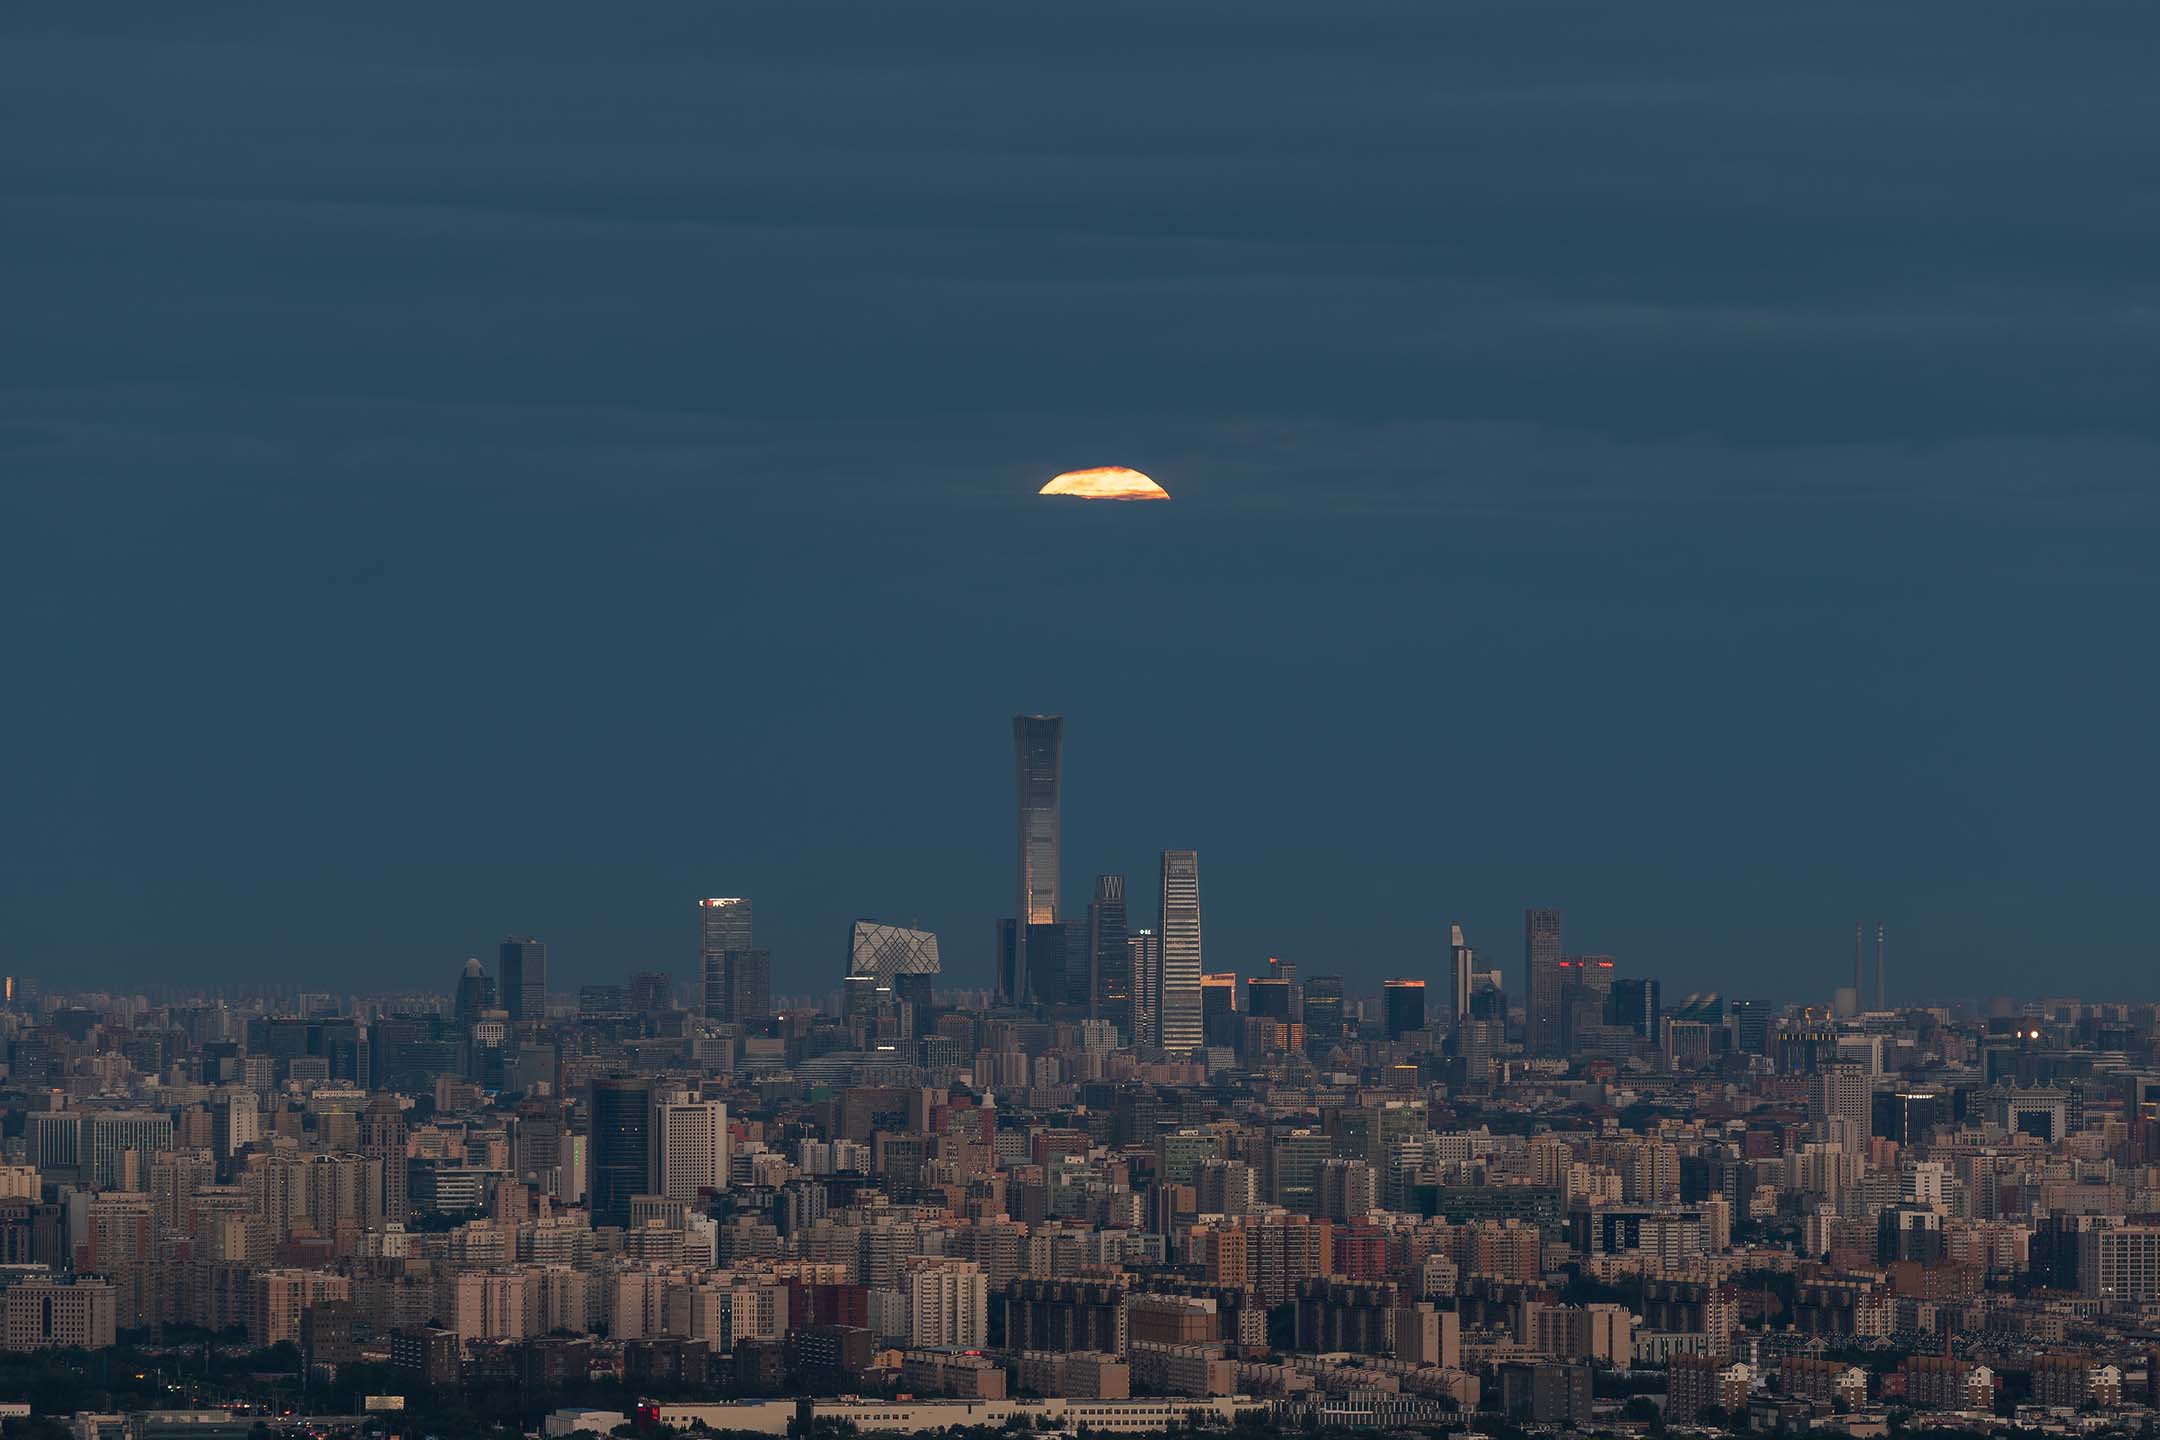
613,827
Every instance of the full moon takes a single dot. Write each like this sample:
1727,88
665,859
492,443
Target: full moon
1106,482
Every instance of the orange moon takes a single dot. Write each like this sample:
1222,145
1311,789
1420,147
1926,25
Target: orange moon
1106,482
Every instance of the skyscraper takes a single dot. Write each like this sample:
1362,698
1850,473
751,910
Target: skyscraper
522,963
1323,1013
1038,746
1218,1009
1267,997
475,992
886,952
746,987
1178,1010
652,991
1402,1003
1543,979
1144,960
1109,961
1462,963
1635,1004
723,925
620,1156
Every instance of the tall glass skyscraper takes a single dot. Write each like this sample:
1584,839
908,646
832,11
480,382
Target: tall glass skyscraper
521,962
621,1154
1178,1010
1144,951
1109,961
1544,977
1323,1013
1462,960
1038,749
723,925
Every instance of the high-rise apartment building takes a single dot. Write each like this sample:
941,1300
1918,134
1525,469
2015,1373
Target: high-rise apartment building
948,1305
1038,745
723,925
521,962
688,1147
1144,960
1178,1011
1544,980
620,1155
1109,961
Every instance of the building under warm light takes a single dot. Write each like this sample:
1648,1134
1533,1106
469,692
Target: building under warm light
1178,1011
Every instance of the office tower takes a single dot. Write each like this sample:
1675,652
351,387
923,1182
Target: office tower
1267,997
1462,961
1286,971
1881,976
1218,1009
723,925
688,1147
1907,1115
475,992
1178,1011
1323,1013
1635,1006
1402,1003
1110,983
652,992
1144,960
1006,961
1057,963
1038,744
1585,993
1751,1027
1283,970
1543,976
886,952
746,987
919,993
621,1110
521,961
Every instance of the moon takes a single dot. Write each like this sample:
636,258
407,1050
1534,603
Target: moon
1106,482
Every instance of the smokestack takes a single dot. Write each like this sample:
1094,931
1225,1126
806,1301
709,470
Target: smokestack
1856,963
1879,975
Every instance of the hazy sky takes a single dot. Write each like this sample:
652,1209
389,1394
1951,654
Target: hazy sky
519,468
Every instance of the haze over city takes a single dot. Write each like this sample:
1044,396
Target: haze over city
1386,720
475,483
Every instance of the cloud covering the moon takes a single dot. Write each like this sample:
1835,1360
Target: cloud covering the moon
1106,482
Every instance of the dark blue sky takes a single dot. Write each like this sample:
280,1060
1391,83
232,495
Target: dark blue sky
524,468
